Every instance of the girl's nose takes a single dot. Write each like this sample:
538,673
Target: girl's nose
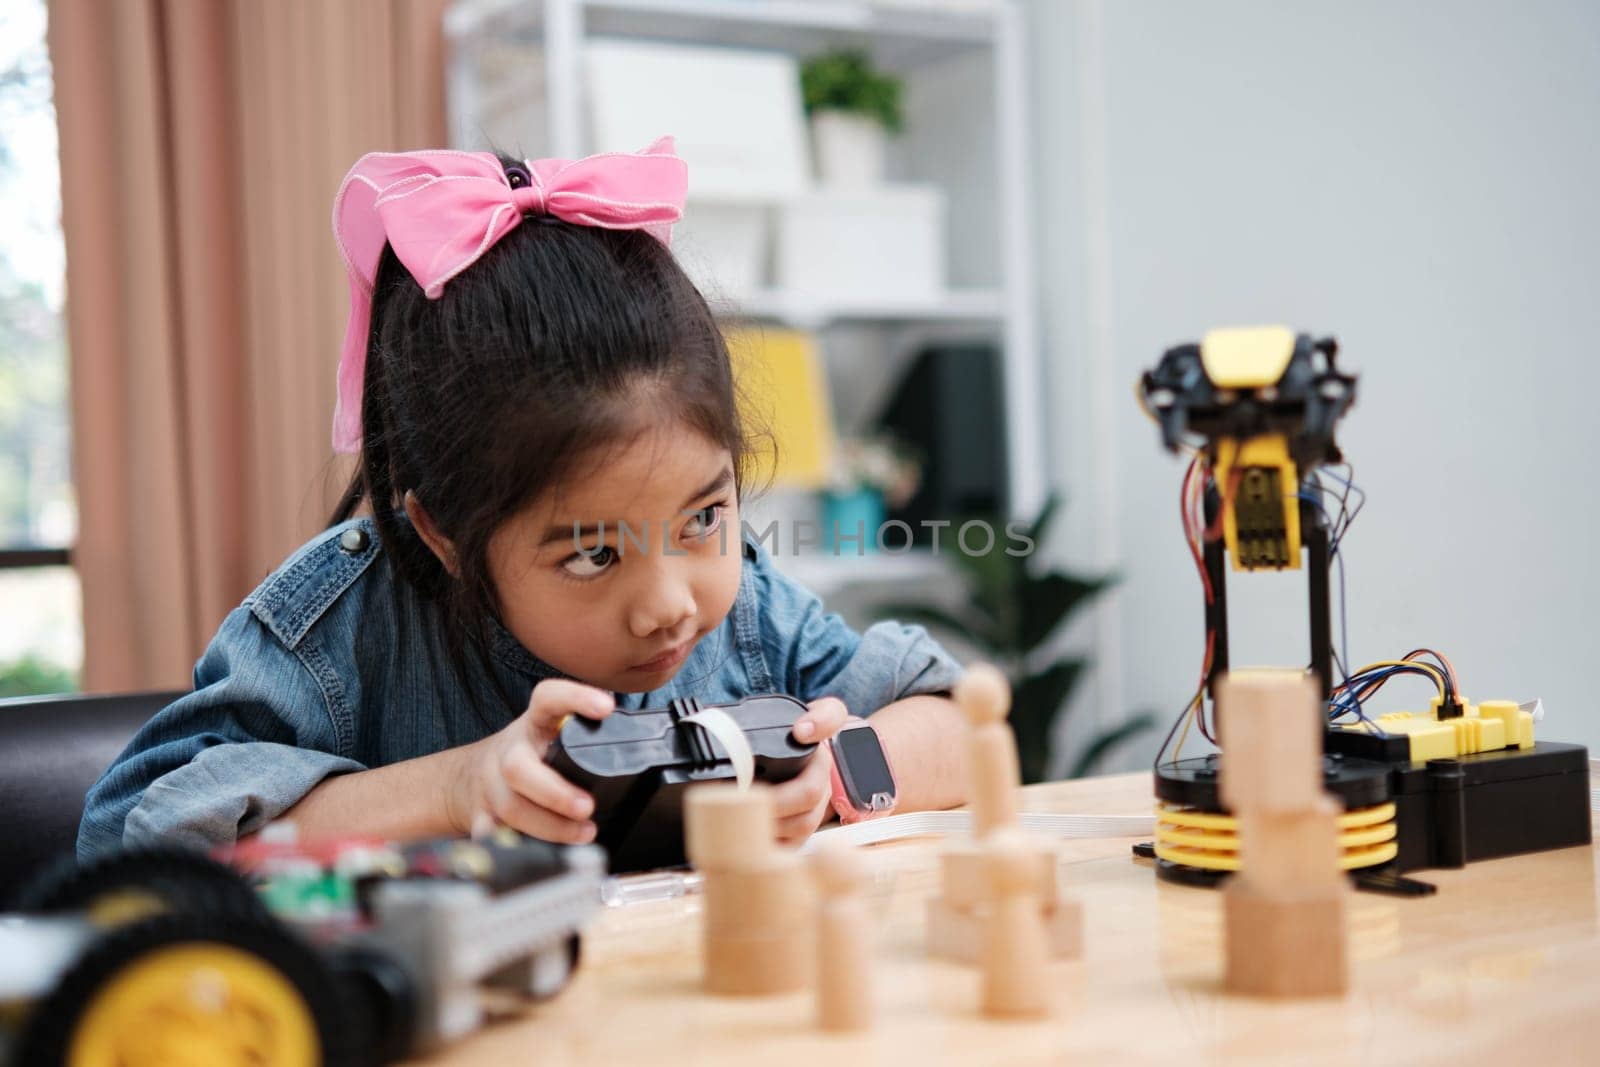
664,605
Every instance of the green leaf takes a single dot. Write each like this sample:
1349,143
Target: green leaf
1049,688
847,81
1036,704
1110,739
1009,612
971,625
1048,600
991,585
1041,523
32,675
1033,745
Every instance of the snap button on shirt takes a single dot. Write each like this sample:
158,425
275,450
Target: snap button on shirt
353,540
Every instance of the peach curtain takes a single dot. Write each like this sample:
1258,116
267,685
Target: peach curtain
201,144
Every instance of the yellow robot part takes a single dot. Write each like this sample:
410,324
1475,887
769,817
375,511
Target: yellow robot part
1210,840
1487,727
125,905
1246,357
1260,488
192,1004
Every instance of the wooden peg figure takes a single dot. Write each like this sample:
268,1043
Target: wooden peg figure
844,939
1284,912
1014,943
957,917
728,828
755,933
993,773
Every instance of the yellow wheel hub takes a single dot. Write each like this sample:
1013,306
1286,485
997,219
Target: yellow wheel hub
125,906
196,1004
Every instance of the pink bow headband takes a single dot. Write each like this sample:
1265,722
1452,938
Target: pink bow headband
441,210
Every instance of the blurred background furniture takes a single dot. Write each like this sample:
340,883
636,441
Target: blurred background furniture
52,749
545,79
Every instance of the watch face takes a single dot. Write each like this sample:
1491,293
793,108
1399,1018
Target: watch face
862,760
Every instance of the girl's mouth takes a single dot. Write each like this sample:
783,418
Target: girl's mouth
667,660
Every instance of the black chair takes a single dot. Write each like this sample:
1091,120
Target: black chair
52,749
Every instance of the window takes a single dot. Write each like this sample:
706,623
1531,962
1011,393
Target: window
41,631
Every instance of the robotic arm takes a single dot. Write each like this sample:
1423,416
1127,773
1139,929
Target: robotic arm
1258,407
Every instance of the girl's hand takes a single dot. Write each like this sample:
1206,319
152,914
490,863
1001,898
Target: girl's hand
504,778
802,801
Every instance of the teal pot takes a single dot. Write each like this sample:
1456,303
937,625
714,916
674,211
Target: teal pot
856,513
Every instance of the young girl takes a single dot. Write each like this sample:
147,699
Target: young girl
526,368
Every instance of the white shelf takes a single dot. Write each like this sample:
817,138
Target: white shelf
502,48
901,35
796,309
826,574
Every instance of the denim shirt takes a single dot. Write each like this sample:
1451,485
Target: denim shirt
335,664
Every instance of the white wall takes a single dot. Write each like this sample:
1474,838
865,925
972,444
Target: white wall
1420,179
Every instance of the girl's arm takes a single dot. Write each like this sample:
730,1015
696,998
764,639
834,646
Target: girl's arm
925,738
400,801
500,779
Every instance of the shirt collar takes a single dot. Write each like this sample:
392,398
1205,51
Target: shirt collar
509,653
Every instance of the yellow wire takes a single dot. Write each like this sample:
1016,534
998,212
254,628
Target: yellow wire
1177,749
1138,394
1188,718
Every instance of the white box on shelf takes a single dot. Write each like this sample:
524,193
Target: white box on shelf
723,247
859,246
736,113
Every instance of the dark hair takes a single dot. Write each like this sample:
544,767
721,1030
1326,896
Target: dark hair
560,340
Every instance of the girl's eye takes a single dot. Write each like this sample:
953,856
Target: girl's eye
589,564
704,522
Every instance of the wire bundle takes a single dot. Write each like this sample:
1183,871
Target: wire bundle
1191,508
1331,489
1357,688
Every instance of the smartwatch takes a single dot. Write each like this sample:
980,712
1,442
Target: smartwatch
863,784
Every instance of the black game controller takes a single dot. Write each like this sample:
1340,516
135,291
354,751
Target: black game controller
636,764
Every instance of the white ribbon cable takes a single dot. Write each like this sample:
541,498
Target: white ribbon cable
622,890
918,823
720,725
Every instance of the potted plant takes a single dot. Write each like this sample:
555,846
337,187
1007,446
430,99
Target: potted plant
868,476
853,108
1010,616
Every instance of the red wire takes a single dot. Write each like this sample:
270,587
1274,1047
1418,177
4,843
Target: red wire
1214,531
1186,512
1187,502
1450,669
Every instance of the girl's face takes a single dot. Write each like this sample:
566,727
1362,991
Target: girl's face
653,568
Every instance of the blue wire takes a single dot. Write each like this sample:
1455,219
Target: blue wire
1350,487
1347,701
1344,624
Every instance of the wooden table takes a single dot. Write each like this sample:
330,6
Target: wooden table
1502,965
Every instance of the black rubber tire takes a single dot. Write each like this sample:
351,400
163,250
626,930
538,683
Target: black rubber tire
574,951
182,879
378,986
342,1031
